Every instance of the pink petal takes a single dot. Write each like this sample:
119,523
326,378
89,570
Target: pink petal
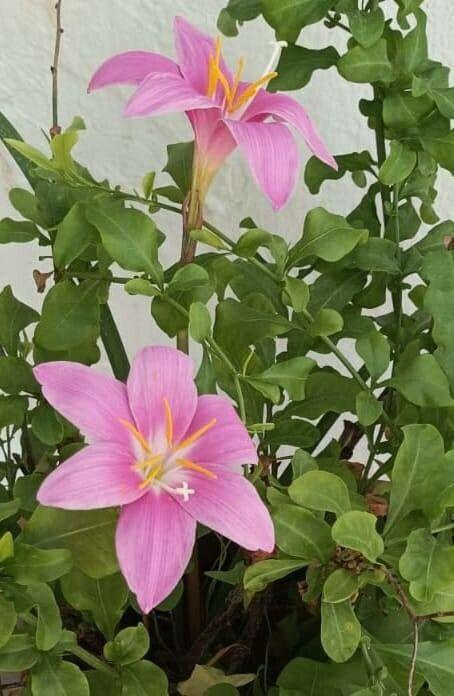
227,442
158,374
165,94
131,68
154,541
194,49
213,139
287,109
271,152
231,506
93,402
96,477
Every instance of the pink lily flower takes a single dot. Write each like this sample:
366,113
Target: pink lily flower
168,457
224,111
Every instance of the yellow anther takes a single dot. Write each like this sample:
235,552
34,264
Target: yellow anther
187,464
152,475
136,434
213,70
236,82
196,436
251,91
169,422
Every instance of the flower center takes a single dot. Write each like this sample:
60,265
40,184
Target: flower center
161,469
233,99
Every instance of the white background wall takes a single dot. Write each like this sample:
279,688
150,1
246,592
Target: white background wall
124,150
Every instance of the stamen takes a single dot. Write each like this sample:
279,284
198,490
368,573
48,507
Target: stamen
213,64
152,475
220,77
138,436
146,463
197,435
169,422
187,464
252,90
236,82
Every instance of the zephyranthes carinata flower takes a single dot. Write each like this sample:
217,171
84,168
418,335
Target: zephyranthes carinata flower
224,111
168,457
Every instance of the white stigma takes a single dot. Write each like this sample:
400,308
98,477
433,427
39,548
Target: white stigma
185,491
275,57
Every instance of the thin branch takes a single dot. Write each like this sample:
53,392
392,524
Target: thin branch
411,673
56,129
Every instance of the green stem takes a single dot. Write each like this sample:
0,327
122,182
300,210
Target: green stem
86,275
381,152
113,344
445,528
90,659
240,398
397,294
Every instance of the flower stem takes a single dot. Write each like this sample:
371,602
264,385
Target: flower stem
90,659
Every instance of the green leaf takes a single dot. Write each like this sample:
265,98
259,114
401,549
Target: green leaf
17,231
104,597
199,322
403,111
128,235
300,533
250,241
326,323
423,382
321,490
368,408
203,677
291,375
179,164
74,236
428,564
102,683
143,679
233,576
140,286
53,676
88,534
61,146
239,325
222,690
31,565
356,530
438,270
189,278
340,631
6,546
441,147
317,172
297,64
8,509
297,292
46,425
340,586
328,236
129,645
414,45
398,165
375,350
367,27
444,99
288,17
18,654
209,238
326,390
259,575
16,376
31,153
434,660
70,316
420,455
49,625
12,410
8,618
14,317
366,64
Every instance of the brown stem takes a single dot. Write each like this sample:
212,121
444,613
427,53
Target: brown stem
56,129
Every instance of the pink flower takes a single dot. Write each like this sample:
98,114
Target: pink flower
223,110
166,456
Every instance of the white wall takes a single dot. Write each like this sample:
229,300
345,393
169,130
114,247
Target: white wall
124,150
